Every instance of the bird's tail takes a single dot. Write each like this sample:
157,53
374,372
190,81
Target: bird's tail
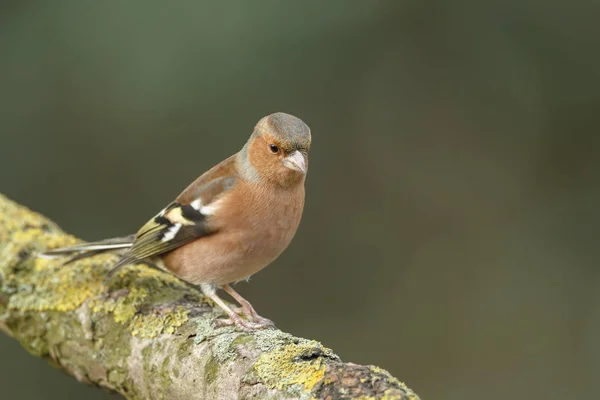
84,250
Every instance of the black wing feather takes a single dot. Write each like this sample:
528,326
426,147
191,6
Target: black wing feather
152,239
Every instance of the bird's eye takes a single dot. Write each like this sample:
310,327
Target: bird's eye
274,148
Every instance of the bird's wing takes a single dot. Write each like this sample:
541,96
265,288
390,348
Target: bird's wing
185,219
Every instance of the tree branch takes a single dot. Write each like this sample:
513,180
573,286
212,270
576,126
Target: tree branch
147,335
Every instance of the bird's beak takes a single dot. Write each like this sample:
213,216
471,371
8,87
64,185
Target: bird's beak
295,161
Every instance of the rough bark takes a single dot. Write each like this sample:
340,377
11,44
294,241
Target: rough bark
147,335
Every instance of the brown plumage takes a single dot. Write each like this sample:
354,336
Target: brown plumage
232,221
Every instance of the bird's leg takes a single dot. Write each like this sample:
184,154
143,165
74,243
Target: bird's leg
211,292
247,307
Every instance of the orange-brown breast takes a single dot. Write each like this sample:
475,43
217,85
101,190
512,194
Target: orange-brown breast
254,224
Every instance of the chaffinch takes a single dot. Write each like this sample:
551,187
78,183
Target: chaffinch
231,222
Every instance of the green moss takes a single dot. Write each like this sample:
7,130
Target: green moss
147,354
241,340
211,370
157,371
147,370
176,372
117,377
106,335
164,369
35,346
185,349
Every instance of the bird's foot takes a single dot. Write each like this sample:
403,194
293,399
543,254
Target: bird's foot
254,321
253,316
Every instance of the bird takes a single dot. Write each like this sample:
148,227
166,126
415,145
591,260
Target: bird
230,223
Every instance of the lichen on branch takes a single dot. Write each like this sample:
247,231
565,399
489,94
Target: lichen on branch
148,335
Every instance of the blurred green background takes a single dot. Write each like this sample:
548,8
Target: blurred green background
451,227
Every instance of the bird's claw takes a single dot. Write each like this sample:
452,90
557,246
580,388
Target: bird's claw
254,317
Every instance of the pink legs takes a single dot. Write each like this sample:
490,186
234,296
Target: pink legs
247,308
256,321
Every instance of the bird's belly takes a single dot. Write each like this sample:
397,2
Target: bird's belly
226,257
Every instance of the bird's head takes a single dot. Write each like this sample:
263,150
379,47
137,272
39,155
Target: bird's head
278,149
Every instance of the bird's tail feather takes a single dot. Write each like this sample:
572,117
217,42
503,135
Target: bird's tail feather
84,250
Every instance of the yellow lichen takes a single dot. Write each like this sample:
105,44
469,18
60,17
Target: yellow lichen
122,308
14,217
125,311
24,231
50,285
149,326
284,367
